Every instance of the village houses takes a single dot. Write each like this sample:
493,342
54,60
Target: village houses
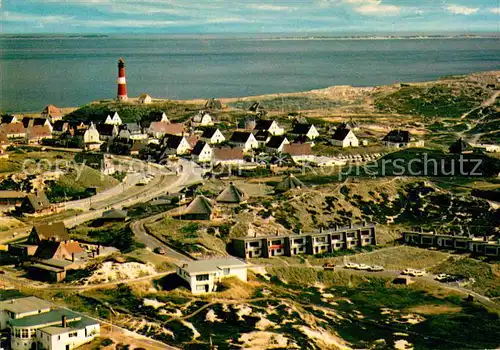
144,99
271,126
202,118
114,120
91,138
202,152
244,140
307,130
212,136
344,138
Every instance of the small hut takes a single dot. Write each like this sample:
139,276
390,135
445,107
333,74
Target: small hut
201,208
232,195
289,183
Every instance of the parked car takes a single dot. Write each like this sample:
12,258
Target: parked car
418,273
363,267
407,271
376,268
328,266
441,277
159,250
350,265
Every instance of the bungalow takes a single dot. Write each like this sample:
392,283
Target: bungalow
212,136
174,144
144,99
11,199
132,131
244,140
36,204
203,275
202,152
307,130
400,139
344,138
115,120
14,130
107,131
200,208
271,126
37,133
52,113
159,129
60,127
228,156
54,232
9,119
67,250
202,118
276,144
92,138
300,152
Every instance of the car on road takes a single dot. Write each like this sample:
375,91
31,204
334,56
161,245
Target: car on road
328,266
408,271
418,273
376,268
159,250
350,265
363,267
441,277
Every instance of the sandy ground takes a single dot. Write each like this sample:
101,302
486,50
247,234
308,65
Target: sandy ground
112,271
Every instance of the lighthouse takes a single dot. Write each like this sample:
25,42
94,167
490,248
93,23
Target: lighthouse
122,83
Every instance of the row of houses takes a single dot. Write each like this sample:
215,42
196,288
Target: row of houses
33,323
307,243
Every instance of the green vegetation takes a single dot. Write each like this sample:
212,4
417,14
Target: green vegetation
439,100
117,235
289,103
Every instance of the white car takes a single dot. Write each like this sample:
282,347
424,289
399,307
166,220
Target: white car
363,267
350,265
408,271
441,277
376,268
418,273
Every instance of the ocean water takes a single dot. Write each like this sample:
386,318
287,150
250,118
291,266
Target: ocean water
71,71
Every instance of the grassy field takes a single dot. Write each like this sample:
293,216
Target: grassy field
33,160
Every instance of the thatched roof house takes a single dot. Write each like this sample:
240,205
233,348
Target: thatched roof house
232,194
289,183
201,208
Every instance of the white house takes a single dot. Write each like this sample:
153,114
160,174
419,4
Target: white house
174,144
344,138
144,99
276,144
300,152
91,138
228,156
203,275
202,118
212,136
115,120
244,140
307,130
271,126
202,152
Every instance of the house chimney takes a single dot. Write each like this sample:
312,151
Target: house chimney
184,266
73,257
64,322
277,232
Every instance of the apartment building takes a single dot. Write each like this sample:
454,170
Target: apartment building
306,243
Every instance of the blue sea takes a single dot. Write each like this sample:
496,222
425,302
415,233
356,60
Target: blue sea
74,70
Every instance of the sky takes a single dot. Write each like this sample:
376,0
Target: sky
250,16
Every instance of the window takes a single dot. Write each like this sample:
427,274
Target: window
17,333
73,334
202,277
226,271
25,333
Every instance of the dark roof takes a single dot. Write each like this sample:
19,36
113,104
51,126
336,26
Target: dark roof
39,121
198,148
460,146
155,116
138,146
105,129
263,124
47,249
275,141
301,129
10,294
132,127
261,135
240,136
54,231
200,205
232,194
208,133
6,119
60,125
38,201
172,141
290,182
340,134
115,214
397,136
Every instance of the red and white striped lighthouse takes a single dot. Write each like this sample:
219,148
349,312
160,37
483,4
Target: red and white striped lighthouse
122,83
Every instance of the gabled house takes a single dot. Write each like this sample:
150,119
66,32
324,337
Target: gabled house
202,152
14,130
9,118
132,131
65,250
54,232
107,131
228,156
344,138
244,140
144,99
174,145
98,161
154,116
299,152
192,140
159,129
271,126
307,130
37,204
52,113
114,120
212,136
60,127
37,133
262,137
401,138
202,118
31,122
276,144
92,138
